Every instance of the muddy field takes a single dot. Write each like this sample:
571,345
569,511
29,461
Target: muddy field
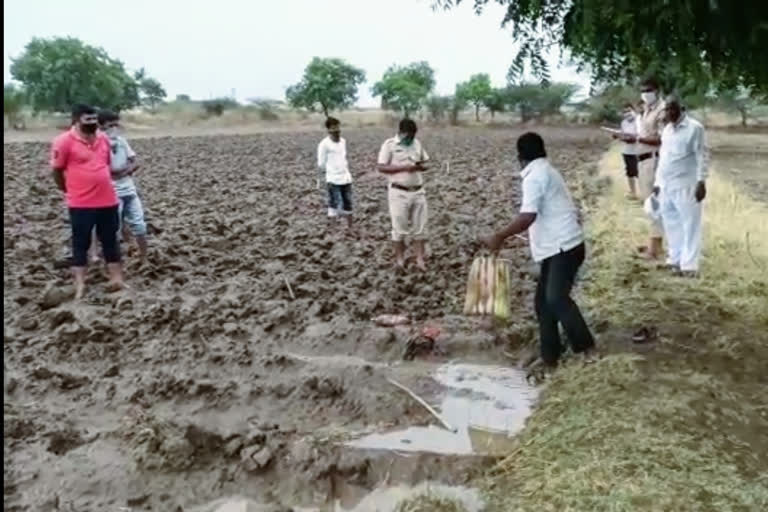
244,353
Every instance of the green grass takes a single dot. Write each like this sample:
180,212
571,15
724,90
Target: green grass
680,426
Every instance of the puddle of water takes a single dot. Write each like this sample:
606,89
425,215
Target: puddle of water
485,404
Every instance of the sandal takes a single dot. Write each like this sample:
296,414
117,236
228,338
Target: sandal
645,335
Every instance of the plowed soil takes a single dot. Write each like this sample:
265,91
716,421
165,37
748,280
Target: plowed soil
245,351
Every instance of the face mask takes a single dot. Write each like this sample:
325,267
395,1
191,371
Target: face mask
89,128
406,140
112,132
648,97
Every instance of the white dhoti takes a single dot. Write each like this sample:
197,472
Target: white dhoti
681,216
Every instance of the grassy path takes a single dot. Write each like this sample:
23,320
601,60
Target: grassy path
682,424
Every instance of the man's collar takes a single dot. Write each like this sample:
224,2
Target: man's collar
399,139
532,165
682,122
75,133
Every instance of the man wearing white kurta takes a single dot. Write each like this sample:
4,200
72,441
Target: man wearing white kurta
681,187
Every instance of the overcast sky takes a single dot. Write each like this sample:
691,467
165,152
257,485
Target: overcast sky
259,47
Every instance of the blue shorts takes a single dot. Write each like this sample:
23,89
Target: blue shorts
131,213
339,199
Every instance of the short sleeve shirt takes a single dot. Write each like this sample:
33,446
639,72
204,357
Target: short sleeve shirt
86,168
122,152
556,227
651,124
393,152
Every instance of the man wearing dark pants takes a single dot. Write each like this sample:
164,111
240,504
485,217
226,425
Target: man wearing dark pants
80,159
557,243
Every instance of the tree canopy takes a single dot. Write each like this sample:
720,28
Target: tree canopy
404,88
617,40
327,84
533,100
477,91
59,72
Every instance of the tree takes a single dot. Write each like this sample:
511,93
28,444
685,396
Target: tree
62,71
534,100
496,101
457,105
404,88
607,102
217,106
618,40
14,99
438,106
740,100
151,90
327,84
477,90
183,98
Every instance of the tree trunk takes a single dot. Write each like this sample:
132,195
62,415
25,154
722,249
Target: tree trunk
477,113
743,112
325,111
493,115
524,114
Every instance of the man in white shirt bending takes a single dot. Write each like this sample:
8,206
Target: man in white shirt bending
332,162
557,243
681,187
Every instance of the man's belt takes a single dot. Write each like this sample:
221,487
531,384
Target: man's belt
646,156
398,186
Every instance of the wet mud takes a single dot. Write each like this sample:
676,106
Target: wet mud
243,360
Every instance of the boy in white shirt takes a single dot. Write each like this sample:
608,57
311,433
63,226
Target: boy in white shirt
332,161
124,166
629,152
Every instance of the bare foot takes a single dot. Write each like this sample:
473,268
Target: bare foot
79,291
590,356
400,262
421,265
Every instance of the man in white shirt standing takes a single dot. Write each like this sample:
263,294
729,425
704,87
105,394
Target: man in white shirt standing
402,160
557,244
681,187
332,161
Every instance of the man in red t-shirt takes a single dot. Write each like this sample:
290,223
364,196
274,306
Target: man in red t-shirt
80,162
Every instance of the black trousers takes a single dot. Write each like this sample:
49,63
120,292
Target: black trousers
106,222
631,165
554,305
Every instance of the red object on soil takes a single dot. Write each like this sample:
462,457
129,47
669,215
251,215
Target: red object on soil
432,332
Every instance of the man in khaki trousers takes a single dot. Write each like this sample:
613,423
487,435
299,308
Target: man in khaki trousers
648,140
403,160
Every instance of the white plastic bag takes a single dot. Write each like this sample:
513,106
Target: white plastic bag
652,207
